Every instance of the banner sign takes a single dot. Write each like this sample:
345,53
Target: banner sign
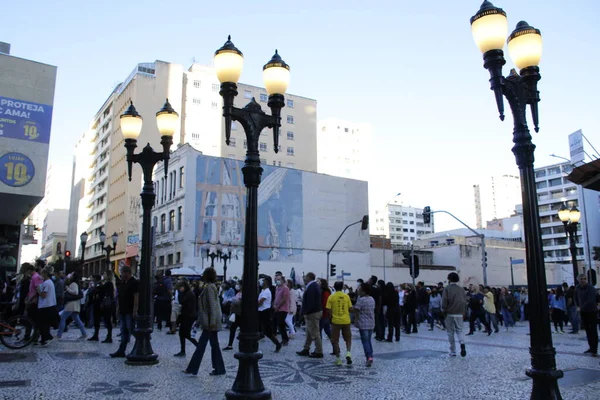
25,120
16,169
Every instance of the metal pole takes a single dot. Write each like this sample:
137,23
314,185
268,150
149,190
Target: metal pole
327,267
571,230
412,262
383,247
483,259
512,275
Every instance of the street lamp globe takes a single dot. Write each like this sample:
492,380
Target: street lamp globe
167,120
525,46
489,27
564,213
276,75
83,237
115,237
574,215
228,62
131,123
102,237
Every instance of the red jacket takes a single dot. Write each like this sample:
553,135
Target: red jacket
324,296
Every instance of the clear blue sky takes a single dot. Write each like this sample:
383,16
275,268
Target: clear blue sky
410,68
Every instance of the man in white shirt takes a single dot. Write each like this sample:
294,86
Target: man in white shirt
47,313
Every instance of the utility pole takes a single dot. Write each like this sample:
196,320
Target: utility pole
412,264
383,247
512,275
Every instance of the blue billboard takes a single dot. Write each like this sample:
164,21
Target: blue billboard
25,120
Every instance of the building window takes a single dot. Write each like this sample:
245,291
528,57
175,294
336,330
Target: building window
290,151
263,146
232,142
290,119
161,261
279,163
163,223
179,217
274,163
215,87
178,257
155,222
196,101
290,103
263,161
170,259
263,97
232,156
180,177
197,84
214,104
171,220
411,215
290,135
247,94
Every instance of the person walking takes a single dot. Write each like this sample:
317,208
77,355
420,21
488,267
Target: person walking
187,315
209,319
128,298
391,302
364,311
572,310
454,305
293,308
282,307
72,306
477,311
46,305
507,305
558,308
236,309
265,311
339,306
311,309
585,299
490,309
435,307
410,308
379,318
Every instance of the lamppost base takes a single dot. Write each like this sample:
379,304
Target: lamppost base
248,384
545,384
142,353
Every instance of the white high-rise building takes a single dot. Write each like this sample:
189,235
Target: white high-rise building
496,198
401,224
344,148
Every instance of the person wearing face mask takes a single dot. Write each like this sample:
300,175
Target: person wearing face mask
265,311
282,307
236,309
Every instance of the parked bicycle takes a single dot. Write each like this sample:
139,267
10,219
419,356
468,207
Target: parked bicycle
16,332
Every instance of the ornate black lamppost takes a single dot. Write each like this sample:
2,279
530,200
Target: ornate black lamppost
225,256
490,28
570,218
109,248
83,239
131,126
276,73
213,252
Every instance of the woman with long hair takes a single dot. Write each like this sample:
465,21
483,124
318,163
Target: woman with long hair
325,322
558,308
289,320
391,300
187,315
209,319
72,307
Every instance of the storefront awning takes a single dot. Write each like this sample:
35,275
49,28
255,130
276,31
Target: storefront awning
587,175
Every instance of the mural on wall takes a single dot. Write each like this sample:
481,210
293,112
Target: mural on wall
221,199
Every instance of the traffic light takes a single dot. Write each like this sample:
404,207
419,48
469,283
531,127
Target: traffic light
406,260
427,215
67,255
365,223
414,271
332,270
485,260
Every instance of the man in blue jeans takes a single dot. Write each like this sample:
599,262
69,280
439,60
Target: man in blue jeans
128,305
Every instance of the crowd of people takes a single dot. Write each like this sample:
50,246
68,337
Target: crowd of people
376,309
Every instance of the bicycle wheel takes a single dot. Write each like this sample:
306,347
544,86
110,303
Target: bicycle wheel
16,332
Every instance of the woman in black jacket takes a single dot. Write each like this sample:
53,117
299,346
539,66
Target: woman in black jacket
410,306
391,300
188,315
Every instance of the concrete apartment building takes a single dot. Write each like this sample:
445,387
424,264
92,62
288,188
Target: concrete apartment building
113,202
54,232
344,148
26,103
401,224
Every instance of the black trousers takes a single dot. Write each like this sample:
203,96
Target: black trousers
412,321
281,325
473,317
393,321
558,317
379,324
185,332
104,315
46,317
232,328
265,319
590,324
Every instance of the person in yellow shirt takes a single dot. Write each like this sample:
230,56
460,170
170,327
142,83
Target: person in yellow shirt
340,306
490,309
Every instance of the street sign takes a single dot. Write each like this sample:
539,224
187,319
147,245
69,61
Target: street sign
518,261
